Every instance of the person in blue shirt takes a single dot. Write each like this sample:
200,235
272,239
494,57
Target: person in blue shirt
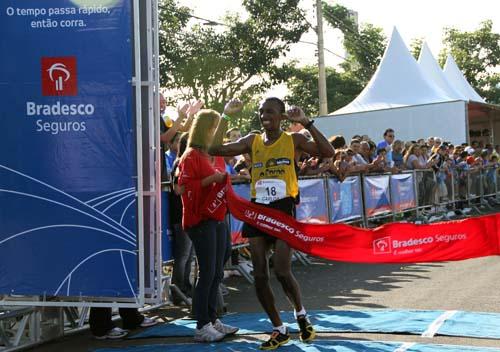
386,144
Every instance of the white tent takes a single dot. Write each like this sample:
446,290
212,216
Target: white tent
435,74
457,79
417,100
398,81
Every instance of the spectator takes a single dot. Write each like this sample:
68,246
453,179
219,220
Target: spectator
338,142
437,144
102,327
411,158
198,178
171,154
183,247
397,154
359,163
386,143
233,134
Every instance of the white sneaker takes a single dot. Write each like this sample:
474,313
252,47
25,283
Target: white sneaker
113,334
147,322
224,328
208,334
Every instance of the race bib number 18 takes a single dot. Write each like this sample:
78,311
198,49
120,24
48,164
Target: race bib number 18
269,190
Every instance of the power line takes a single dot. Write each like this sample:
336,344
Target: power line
326,49
359,43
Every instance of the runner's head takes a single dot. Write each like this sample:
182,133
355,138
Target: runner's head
203,129
271,113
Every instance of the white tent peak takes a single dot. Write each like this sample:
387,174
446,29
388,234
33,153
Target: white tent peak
458,81
398,81
431,68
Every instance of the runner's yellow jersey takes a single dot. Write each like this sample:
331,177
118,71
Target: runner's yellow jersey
273,169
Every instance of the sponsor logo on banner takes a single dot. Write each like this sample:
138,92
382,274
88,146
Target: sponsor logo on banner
250,214
382,246
59,76
218,201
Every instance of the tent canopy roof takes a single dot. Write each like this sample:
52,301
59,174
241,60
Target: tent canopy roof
400,81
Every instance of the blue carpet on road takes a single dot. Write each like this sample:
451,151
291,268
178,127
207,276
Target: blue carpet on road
468,324
294,346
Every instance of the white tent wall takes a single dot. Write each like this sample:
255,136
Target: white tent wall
447,120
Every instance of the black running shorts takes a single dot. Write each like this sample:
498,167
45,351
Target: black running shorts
286,205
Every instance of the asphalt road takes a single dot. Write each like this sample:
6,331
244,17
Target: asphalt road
471,285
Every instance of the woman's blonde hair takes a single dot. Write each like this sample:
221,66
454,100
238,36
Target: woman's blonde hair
409,152
203,123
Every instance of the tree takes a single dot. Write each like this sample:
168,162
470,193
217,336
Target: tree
342,88
477,53
364,45
416,47
239,59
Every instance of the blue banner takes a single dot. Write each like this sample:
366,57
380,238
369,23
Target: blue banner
313,207
67,167
403,192
377,197
345,199
166,229
243,190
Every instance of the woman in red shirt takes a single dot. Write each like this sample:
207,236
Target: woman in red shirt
202,179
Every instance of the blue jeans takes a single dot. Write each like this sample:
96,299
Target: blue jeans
183,257
213,248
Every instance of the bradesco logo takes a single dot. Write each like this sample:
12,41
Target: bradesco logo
59,76
250,214
382,246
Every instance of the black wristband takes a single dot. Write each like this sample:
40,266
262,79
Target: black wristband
309,124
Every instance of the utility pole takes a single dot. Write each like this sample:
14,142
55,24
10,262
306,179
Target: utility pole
323,103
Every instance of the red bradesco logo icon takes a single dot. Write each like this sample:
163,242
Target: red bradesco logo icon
59,77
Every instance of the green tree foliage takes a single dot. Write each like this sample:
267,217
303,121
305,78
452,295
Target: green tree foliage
342,88
477,54
416,46
239,59
364,45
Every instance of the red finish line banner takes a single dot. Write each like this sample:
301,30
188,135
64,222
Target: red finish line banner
391,243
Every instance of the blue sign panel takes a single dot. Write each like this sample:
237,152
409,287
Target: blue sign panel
403,192
345,199
312,207
67,167
377,197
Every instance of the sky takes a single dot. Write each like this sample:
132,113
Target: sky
413,19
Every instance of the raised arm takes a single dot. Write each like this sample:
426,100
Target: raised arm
242,146
176,125
319,146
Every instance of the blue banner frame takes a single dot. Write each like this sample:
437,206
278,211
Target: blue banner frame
68,170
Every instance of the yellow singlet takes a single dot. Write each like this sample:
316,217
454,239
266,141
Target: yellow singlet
273,169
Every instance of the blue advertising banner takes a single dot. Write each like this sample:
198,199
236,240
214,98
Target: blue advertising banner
67,167
166,229
377,197
313,207
243,190
403,192
345,199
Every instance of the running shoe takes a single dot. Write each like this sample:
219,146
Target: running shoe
224,328
276,340
113,334
147,322
208,334
307,332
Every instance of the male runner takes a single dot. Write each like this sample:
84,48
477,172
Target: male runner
274,184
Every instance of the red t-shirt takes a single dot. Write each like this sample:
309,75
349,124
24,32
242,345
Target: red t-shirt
197,201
